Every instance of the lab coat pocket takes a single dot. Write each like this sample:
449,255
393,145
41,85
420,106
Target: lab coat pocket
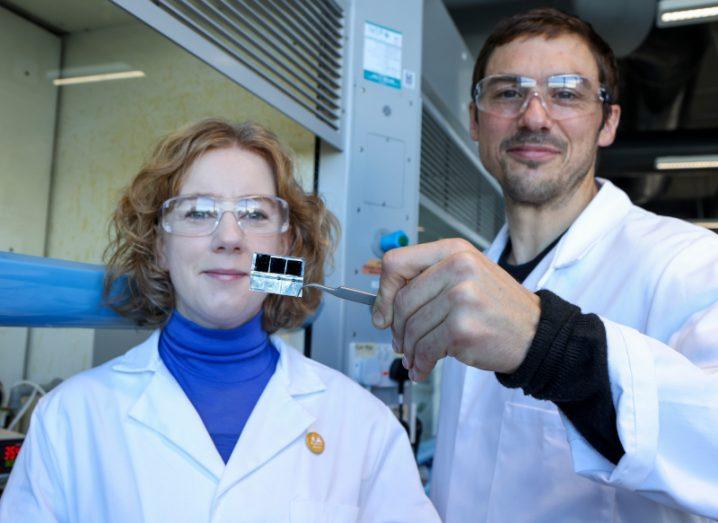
534,473
308,511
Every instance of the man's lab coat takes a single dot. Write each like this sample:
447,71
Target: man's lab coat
122,443
502,456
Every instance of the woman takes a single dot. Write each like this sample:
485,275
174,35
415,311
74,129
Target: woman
211,419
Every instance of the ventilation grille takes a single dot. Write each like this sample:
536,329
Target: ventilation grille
452,181
293,44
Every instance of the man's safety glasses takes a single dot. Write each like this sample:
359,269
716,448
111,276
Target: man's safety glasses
562,96
199,215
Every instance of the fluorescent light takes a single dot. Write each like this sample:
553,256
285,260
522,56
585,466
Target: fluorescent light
689,14
708,224
681,12
672,163
98,78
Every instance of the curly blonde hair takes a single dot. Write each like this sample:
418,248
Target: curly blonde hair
135,284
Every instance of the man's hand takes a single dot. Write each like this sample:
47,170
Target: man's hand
447,299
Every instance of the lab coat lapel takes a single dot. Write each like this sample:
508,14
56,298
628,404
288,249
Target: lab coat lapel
164,408
497,246
605,212
277,420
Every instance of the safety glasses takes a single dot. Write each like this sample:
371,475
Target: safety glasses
562,96
199,215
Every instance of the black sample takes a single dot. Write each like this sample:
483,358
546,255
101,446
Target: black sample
294,267
261,262
277,265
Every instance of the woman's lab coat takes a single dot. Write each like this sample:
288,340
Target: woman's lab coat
502,456
122,443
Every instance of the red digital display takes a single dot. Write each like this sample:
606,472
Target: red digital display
8,455
11,452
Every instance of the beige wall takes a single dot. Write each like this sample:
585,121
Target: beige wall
27,125
105,131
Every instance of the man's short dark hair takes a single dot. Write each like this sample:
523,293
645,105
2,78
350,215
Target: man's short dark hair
551,23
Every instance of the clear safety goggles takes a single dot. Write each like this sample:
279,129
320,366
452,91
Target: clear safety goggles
199,215
562,96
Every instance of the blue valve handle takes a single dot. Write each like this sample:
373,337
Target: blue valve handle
393,240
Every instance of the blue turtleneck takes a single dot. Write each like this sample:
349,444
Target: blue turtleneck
223,372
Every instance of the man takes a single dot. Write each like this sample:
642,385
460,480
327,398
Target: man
602,406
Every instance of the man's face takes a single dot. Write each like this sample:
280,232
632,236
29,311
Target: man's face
538,160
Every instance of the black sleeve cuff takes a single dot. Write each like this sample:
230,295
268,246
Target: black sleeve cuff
547,356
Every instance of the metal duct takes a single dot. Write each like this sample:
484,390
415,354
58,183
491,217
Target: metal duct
294,45
452,184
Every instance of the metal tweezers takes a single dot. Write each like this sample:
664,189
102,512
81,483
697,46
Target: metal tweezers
346,293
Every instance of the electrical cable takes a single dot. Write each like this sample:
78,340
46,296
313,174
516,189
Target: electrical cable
36,389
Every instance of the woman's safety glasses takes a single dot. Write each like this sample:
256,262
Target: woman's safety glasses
562,96
199,215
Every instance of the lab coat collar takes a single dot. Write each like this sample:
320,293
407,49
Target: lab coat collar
276,421
499,244
300,376
143,358
605,212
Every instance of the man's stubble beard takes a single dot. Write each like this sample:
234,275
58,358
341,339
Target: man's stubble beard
523,189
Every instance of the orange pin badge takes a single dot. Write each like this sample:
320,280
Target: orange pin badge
315,442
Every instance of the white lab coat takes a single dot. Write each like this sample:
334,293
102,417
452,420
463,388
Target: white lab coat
502,456
122,443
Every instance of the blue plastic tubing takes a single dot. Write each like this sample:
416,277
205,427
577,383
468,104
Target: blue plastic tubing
46,292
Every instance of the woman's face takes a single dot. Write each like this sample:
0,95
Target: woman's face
210,274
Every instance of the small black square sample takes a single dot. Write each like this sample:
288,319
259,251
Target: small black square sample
294,267
277,265
261,262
